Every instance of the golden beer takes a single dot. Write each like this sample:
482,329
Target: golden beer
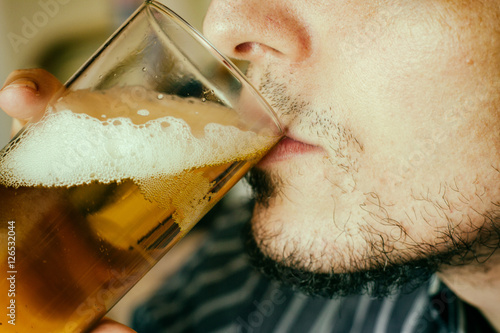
81,225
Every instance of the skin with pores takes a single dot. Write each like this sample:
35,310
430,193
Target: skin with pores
392,116
393,106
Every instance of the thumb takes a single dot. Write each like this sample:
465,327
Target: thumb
109,326
26,93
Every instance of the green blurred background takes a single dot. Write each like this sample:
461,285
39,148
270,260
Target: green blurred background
59,35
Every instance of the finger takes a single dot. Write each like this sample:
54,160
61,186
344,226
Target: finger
109,326
27,92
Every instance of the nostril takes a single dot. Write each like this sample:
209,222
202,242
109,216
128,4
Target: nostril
252,50
244,47
243,33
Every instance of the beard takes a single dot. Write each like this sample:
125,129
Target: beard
395,242
384,275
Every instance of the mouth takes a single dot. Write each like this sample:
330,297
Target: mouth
287,149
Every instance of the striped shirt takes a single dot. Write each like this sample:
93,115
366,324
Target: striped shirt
218,291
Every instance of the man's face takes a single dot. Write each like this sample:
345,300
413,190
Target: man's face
392,110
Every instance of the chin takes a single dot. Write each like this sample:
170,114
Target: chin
379,281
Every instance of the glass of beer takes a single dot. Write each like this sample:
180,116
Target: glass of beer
143,140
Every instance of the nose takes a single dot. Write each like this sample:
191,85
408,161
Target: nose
255,30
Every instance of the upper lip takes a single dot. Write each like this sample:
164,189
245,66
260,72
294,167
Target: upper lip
297,138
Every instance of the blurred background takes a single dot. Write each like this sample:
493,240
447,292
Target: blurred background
59,35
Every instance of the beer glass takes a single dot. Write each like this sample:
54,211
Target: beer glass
143,140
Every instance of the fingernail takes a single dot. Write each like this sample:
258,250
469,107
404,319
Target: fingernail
19,83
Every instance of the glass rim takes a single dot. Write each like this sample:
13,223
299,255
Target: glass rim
199,37
217,54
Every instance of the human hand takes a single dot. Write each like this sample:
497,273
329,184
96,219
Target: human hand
26,94
109,326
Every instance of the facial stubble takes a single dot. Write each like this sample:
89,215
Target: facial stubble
385,275
382,269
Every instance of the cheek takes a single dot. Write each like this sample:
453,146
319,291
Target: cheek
417,96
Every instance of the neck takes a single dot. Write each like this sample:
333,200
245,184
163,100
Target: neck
479,285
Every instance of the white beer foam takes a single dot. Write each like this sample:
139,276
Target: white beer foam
68,149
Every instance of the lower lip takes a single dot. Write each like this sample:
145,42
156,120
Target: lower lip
285,150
